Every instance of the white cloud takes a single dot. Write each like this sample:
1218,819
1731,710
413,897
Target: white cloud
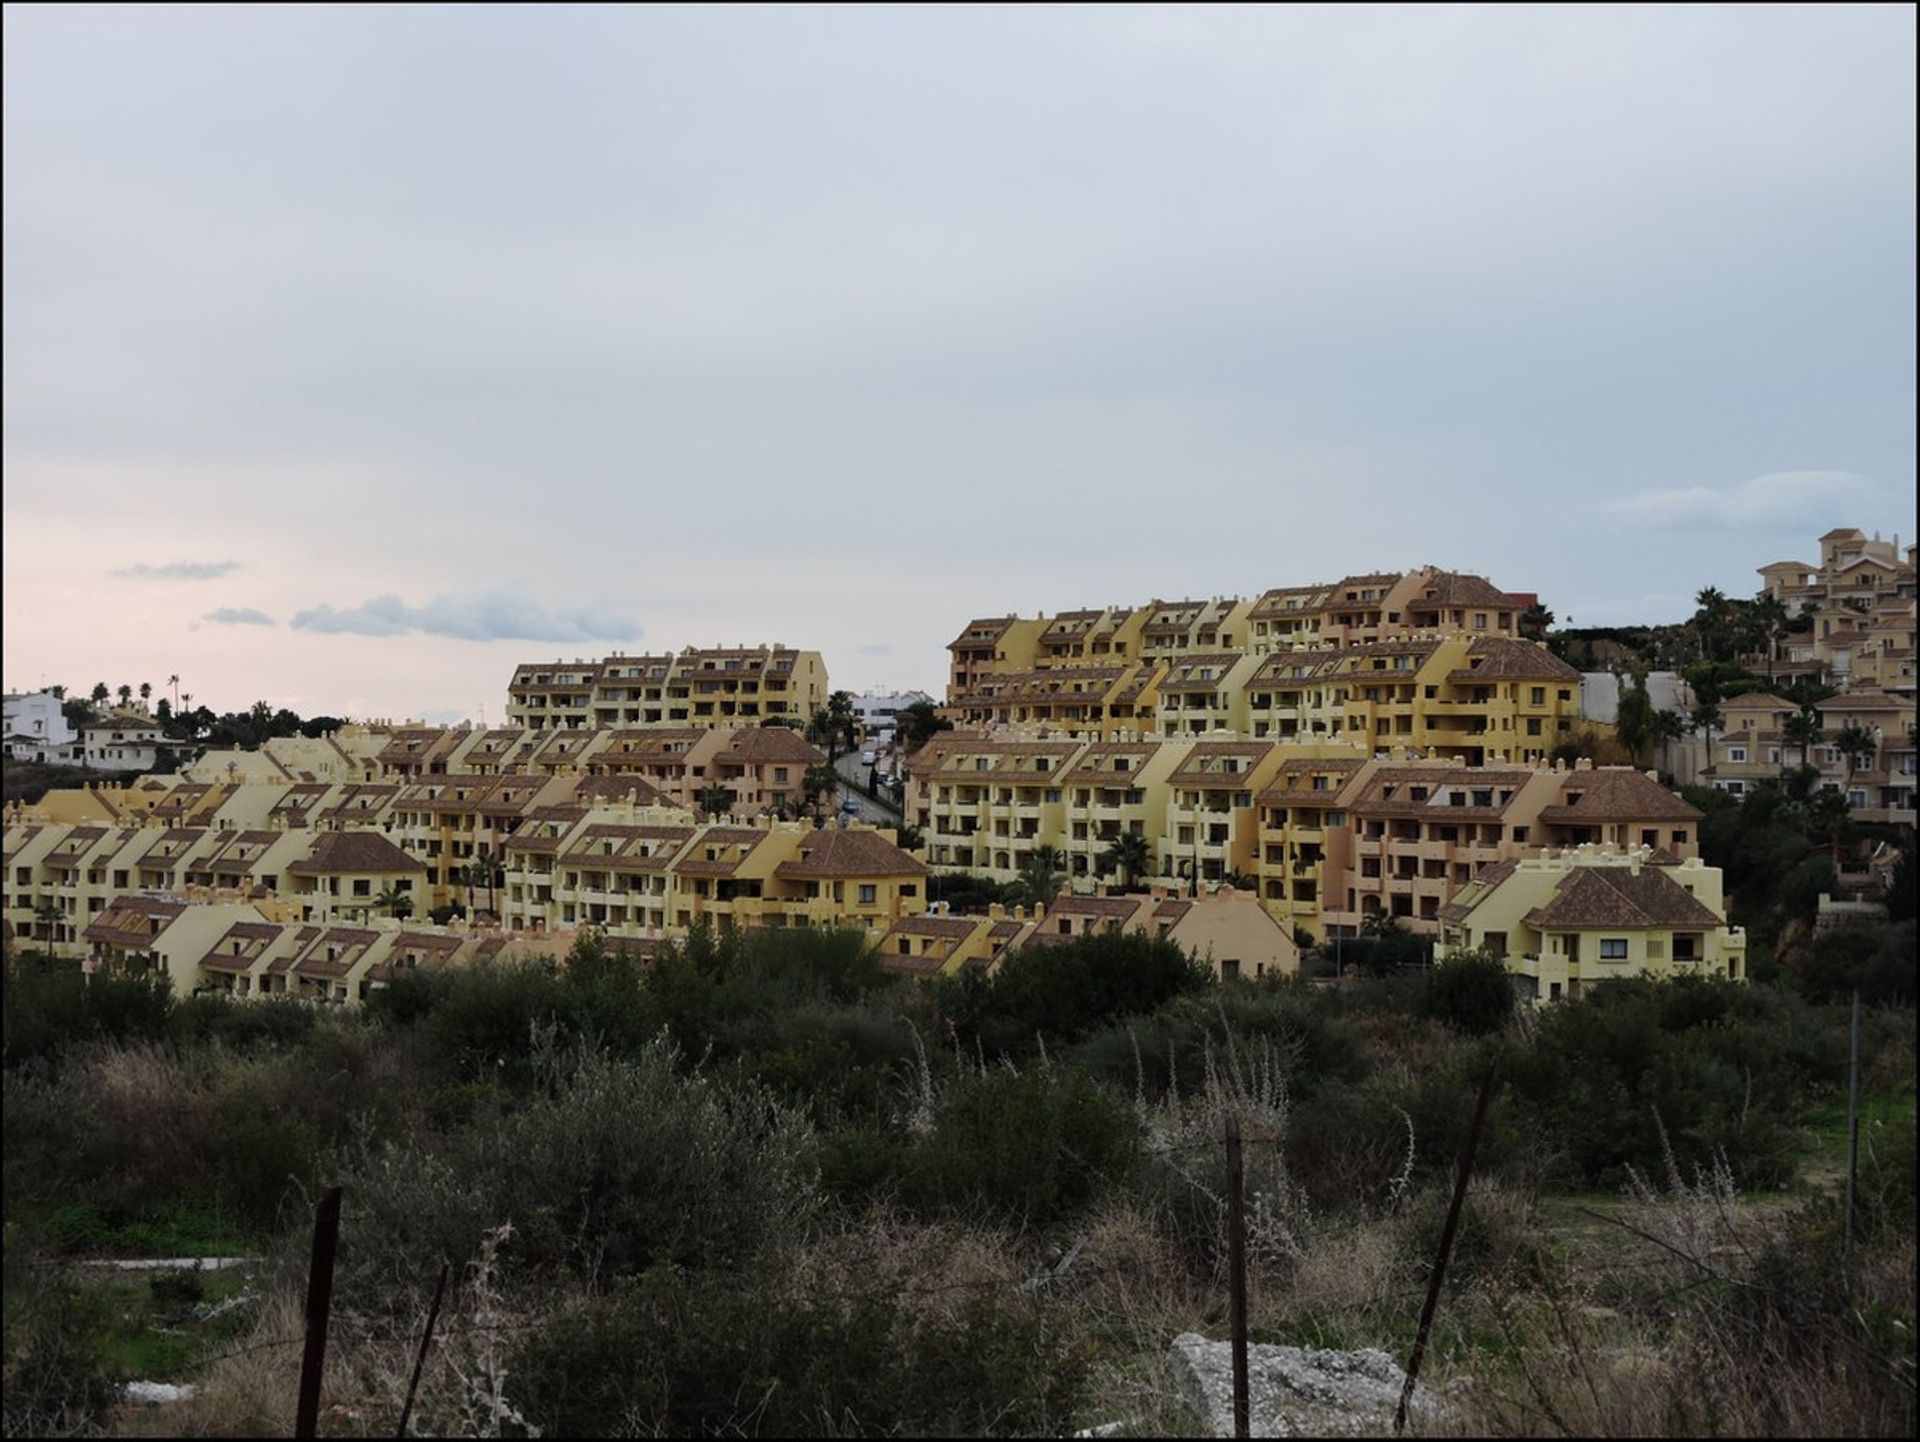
475,616
1777,500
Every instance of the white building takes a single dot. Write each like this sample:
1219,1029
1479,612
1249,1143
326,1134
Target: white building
37,730
879,711
126,741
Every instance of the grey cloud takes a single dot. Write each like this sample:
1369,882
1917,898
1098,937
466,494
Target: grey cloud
238,616
477,616
179,571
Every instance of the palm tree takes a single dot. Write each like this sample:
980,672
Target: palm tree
100,693
1041,872
174,682
395,902
836,724
1667,727
146,693
49,916
817,782
1128,854
715,800
1535,622
1854,743
1705,717
1829,816
1707,620
125,694
1769,616
1803,731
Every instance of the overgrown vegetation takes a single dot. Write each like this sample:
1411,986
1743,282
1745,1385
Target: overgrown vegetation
759,1186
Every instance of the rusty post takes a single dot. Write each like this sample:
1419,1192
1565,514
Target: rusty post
426,1341
326,1237
1439,1277
1237,1278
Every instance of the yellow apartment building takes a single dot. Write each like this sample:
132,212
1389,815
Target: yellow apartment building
1568,919
711,686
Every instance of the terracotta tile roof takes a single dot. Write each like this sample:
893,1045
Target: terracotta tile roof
849,853
616,789
1758,701
1457,588
757,745
1595,896
1496,658
338,852
996,624
1616,793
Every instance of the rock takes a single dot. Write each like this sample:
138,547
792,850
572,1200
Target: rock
158,1392
1296,1391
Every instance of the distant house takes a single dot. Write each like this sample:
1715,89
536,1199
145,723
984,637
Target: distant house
38,730
1567,919
127,741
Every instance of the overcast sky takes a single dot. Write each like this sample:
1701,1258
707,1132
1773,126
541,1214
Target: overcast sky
352,355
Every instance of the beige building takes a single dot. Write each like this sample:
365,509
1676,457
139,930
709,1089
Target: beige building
1567,919
714,686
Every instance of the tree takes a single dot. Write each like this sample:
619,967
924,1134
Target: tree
173,682
1470,992
1634,718
1128,855
1855,744
835,725
79,713
1668,727
395,902
1709,622
1803,731
100,693
817,782
1830,820
125,693
715,800
1041,873
1705,717
49,915
1535,622
1769,617
917,724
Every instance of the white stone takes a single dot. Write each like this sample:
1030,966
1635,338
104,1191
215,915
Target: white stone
1296,1391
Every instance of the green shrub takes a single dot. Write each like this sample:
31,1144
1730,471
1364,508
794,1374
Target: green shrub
1471,993
1026,1147
618,1163
702,1354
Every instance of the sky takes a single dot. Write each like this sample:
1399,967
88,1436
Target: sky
354,354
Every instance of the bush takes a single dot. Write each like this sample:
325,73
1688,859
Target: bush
1067,990
611,1163
777,1354
1471,993
1020,1148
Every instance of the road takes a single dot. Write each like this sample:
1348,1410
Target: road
854,769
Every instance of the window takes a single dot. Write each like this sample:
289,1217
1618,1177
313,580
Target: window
1613,948
1736,753
867,894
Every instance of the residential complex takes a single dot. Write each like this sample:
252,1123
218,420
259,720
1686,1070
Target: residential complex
1328,834
1851,616
717,686
1428,659
1566,919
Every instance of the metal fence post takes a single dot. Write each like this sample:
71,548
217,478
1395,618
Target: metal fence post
1439,1277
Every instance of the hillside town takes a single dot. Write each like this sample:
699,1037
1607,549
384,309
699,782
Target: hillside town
1253,777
